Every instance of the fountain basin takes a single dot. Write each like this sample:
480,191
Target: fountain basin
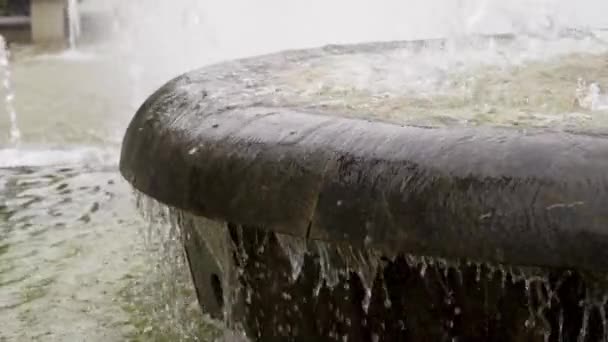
310,207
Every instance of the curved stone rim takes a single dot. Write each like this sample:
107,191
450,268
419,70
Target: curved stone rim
536,197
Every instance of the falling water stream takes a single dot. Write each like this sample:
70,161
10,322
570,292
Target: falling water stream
78,261
337,262
9,94
73,23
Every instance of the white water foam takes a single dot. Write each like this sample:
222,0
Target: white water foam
9,92
71,55
33,157
73,23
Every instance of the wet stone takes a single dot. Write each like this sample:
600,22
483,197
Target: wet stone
336,194
448,301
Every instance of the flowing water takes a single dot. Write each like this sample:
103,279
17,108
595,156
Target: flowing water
77,261
9,95
73,23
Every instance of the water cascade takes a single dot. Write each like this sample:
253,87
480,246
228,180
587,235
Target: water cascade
9,93
165,299
73,17
348,293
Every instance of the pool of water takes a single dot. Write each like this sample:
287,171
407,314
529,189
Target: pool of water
77,261
67,238
506,81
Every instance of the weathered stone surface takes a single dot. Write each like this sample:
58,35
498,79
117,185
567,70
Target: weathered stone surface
225,142
254,143
278,287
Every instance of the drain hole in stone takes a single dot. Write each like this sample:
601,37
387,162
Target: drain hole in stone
216,286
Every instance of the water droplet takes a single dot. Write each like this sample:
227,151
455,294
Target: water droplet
583,333
423,268
295,249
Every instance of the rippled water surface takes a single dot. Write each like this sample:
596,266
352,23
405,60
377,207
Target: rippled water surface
77,261
66,240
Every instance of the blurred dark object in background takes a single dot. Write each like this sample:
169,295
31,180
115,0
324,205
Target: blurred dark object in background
16,7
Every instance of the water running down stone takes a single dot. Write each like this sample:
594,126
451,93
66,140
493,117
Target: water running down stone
303,214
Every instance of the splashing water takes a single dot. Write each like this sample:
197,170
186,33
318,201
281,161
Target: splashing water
73,23
590,96
9,93
164,302
447,283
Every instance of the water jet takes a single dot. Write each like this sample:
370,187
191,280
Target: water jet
339,194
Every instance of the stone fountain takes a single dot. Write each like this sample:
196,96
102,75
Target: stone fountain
317,206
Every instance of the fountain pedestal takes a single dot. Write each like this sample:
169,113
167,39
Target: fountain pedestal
316,207
49,21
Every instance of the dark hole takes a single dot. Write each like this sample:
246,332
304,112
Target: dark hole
216,286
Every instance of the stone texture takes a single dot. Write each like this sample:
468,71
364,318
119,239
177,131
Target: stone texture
213,143
232,144
337,292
